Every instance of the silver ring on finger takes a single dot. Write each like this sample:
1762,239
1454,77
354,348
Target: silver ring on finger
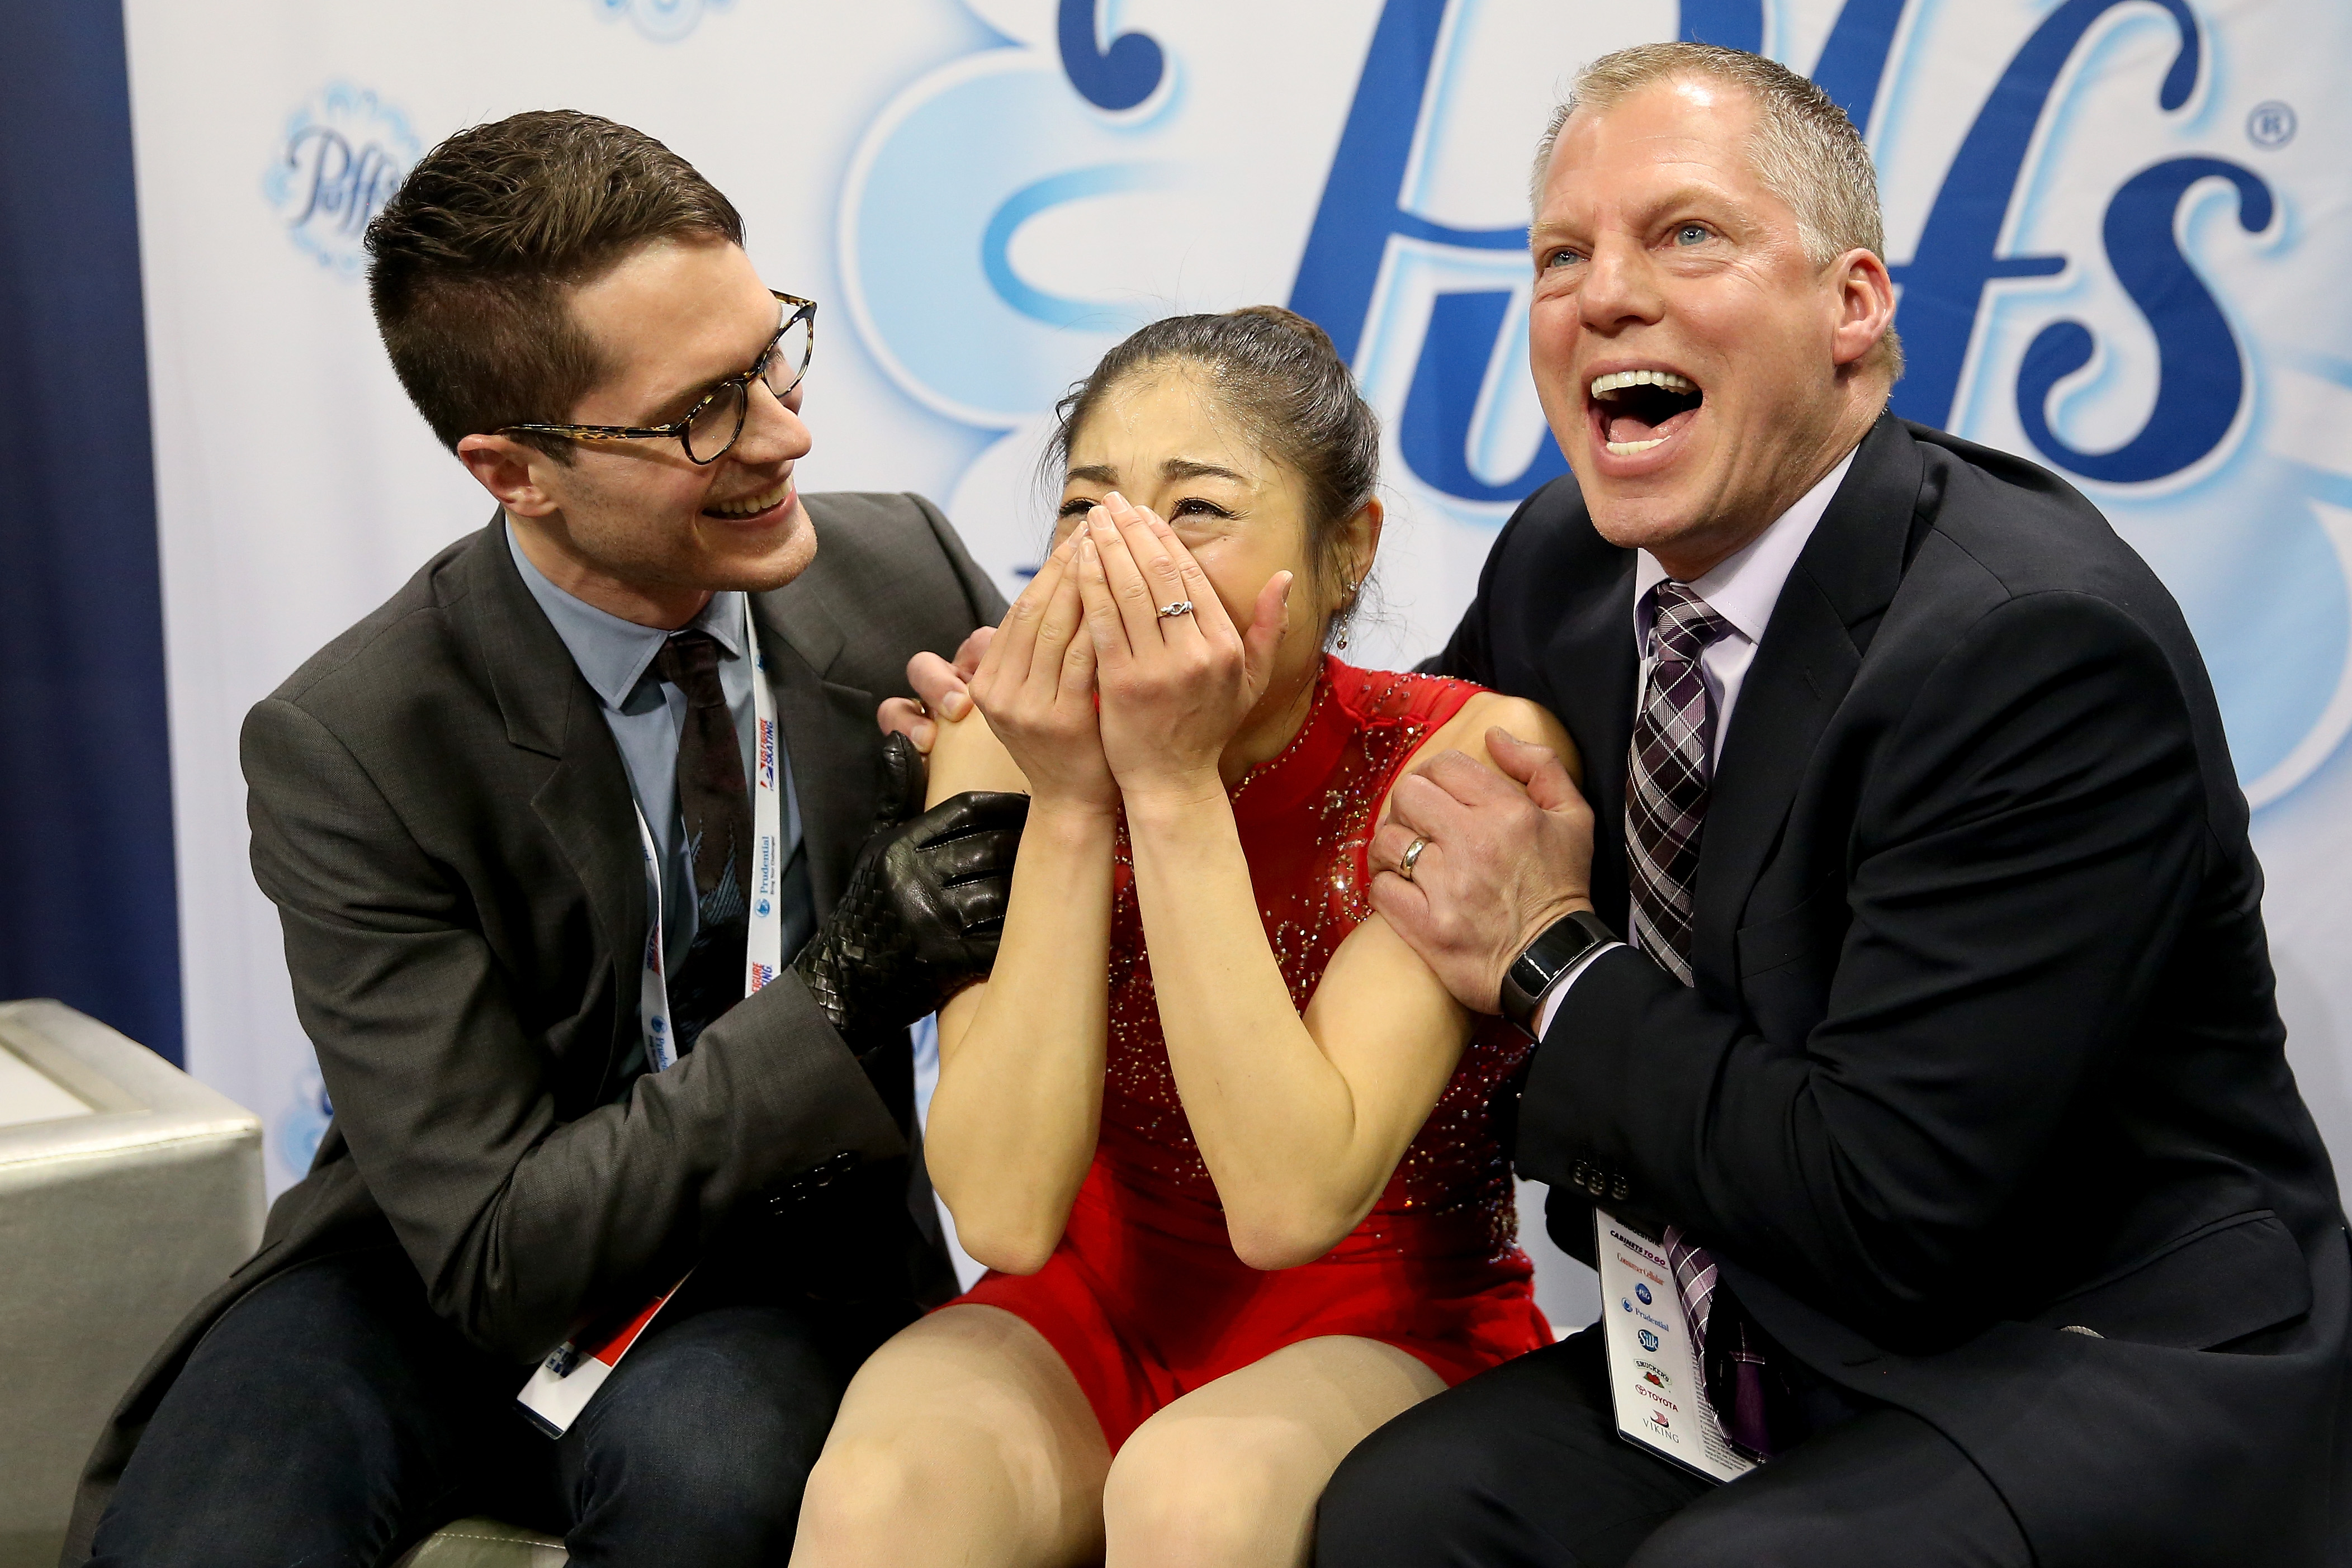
1181,607
1412,856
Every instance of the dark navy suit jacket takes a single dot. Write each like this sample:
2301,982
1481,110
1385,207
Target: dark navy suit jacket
1983,1043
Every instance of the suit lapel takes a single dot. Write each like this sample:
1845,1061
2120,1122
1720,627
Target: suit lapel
584,803
830,736
1813,645
1593,665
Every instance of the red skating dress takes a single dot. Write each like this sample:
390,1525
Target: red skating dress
1144,1299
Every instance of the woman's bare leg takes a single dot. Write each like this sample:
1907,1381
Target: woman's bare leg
963,1440
1227,1476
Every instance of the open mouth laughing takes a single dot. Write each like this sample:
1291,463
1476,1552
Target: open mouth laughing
755,508
1634,412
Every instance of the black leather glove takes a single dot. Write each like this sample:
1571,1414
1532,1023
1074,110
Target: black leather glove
924,907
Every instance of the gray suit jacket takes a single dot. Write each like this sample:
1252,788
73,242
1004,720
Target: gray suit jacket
443,819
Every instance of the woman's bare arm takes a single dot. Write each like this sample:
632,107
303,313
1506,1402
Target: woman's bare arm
1014,1123
1301,1120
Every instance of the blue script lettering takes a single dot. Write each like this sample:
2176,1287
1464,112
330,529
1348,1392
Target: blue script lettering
1943,284
1730,24
1435,433
1853,61
1361,210
2199,379
1116,76
344,186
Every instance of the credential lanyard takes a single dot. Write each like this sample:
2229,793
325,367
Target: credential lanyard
764,949
563,1385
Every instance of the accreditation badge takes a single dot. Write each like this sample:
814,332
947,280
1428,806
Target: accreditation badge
1654,1377
564,1382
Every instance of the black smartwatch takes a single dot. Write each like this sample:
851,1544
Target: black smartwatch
1565,942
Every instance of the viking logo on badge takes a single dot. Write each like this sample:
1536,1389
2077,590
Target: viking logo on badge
342,155
663,21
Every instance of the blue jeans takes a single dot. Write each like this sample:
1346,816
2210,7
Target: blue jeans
329,1420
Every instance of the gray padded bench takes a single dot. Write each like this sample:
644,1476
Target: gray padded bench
128,1190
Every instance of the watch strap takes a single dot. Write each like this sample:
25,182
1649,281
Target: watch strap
1562,945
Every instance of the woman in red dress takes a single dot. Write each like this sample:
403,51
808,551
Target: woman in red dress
1249,1197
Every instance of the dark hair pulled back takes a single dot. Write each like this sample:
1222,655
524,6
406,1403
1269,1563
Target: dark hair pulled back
1277,373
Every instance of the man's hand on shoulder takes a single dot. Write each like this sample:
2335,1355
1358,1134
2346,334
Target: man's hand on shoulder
1503,856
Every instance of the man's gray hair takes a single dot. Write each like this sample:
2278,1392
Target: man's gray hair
1806,152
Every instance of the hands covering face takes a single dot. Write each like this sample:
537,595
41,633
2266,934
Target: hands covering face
1173,688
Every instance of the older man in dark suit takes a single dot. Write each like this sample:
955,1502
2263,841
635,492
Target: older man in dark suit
1903,997
606,980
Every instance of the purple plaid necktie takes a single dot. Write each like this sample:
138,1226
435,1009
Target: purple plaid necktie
1669,770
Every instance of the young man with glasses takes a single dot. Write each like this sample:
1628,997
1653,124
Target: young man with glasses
608,982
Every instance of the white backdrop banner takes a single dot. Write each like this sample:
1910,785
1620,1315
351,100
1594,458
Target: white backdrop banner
2121,229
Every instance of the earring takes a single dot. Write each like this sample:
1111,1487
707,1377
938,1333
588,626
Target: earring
1346,612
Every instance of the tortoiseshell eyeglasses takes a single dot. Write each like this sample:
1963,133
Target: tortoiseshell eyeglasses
711,428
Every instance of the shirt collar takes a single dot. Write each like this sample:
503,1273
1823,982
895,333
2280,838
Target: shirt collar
1743,587
612,653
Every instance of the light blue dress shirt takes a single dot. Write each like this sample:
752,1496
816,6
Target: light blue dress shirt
646,715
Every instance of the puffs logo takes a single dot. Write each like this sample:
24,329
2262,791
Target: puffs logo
341,157
2093,210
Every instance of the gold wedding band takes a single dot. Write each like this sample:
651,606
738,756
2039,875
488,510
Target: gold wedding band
1412,854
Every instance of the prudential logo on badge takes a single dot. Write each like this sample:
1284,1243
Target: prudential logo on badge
341,157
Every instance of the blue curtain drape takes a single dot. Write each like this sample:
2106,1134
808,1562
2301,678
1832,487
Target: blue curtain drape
88,904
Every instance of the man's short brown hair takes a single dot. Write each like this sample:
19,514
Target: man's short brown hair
1806,150
474,257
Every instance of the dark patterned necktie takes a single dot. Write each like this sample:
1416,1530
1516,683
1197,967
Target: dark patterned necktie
1669,770
715,804
1671,763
